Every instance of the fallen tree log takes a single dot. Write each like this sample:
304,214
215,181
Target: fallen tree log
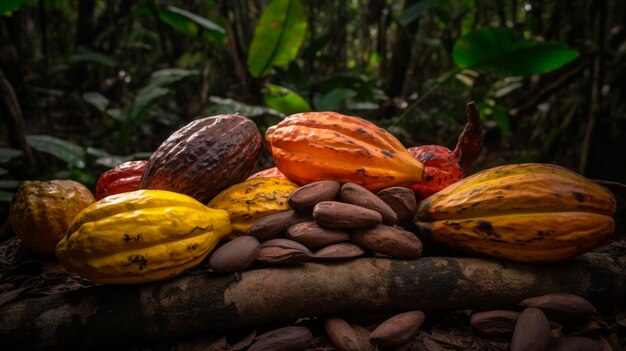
103,315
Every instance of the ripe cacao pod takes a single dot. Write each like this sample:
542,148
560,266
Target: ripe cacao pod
122,178
524,212
141,236
205,157
441,168
252,200
313,146
270,172
41,211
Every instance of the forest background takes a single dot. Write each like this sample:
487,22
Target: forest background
85,85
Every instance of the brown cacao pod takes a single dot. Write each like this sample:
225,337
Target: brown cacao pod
205,157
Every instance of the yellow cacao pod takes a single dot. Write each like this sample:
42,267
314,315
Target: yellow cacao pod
252,200
530,212
141,236
41,211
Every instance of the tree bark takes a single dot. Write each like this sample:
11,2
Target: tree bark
105,315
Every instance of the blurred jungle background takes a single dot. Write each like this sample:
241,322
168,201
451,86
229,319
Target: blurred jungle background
86,85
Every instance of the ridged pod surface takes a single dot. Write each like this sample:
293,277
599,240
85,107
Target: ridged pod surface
530,212
141,236
252,200
270,172
441,168
41,211
313,146
122,178
205,157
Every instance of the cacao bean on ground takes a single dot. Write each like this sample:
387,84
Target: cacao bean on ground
495,324
532,331
306,197
386,240
235,255
312,235
357,195
335,214
341,334
339,251
283,339
574,343
363,335
275,225
283,251
397,330
562,307
402,201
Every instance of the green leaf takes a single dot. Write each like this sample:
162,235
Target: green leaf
501,116
334,99
495,50
230,106
88,56
189,23
97,100
8,6
414,11
73,154
277,37
170,75
7,155
284,100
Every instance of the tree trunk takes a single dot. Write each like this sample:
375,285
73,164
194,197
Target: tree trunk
106,315
401,55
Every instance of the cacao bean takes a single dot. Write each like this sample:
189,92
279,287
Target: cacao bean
357,195
341,334
363,335
575,343
397,330
283,251
275,225
386,240
340,215
339,251
306,197
235,255
532,331
283,339
562,307
495,324
311,235
402,201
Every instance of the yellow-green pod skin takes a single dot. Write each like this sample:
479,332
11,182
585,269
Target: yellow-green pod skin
141,236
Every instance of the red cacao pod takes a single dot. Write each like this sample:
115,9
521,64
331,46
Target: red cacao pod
122,178
441,168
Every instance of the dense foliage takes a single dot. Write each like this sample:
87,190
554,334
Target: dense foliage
101,82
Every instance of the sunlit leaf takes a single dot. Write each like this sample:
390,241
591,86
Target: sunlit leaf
414,11
284,100
8,6
88,56
334,99
189,23
72,154
7,155
277,37
97,100
170,75
495,50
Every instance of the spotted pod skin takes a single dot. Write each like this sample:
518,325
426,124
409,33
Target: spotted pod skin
441,168
536,213
270,172
252,200
205,157
122,178
41,211
141,236
313,146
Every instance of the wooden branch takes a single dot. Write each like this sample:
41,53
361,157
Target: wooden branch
106,315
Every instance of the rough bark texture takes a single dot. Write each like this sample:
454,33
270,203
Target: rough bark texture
129,314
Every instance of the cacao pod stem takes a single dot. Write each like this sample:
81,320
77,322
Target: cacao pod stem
470,142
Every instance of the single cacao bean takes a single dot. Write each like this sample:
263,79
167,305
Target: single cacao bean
339,251
532,331
562,307
235,255
312,235
340,215
341,334
283,339
275,225
357,195
283,251
363,335
386,240
397,330
575,343
402,201
306,197
495,324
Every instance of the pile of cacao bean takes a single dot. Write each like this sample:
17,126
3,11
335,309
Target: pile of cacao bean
328,221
